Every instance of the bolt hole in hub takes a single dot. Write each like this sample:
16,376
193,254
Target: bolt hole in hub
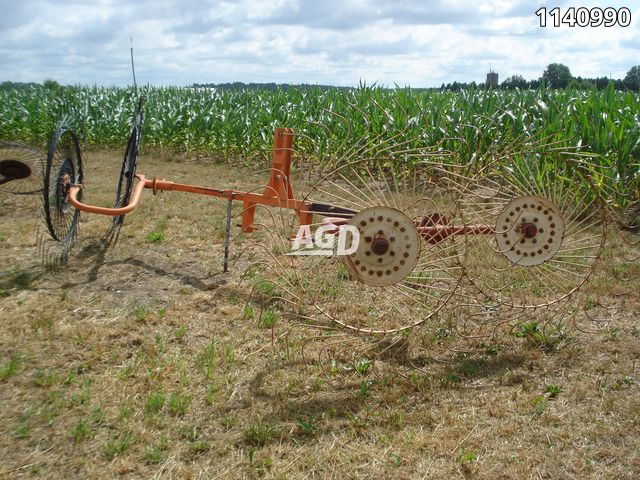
529,230
389,247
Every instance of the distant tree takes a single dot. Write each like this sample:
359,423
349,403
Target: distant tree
51,84
632,79
535,83
557,75
618,84
17,85
582,83
602,82
514,81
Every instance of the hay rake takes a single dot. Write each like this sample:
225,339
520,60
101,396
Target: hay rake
521,229
21,168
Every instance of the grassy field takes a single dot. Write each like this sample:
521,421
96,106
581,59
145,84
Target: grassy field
147,361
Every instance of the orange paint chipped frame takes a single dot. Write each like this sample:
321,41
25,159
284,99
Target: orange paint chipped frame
277,193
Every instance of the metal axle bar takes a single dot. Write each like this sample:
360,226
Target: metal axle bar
431,231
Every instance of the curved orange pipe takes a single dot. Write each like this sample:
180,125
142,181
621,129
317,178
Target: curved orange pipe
133,202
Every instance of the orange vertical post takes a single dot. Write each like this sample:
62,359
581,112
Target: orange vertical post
279,185
279,179
248,214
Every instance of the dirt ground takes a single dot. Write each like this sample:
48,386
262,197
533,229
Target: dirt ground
146,361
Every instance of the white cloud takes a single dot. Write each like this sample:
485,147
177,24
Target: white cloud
408,42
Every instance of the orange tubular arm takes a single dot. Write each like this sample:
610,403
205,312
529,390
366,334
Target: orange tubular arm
164,185
255,198
133,202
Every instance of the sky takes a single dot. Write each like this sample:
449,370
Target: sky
418,43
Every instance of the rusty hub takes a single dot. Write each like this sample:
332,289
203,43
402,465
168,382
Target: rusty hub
389,246
64,181
530,230
380,246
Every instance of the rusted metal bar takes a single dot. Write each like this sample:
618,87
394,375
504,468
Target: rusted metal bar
435,234
432,233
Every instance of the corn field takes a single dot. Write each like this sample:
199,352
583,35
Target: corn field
238,124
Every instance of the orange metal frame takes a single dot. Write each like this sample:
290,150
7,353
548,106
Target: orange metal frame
277,193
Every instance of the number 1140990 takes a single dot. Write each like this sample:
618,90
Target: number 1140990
584,17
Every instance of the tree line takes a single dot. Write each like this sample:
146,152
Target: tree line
557,75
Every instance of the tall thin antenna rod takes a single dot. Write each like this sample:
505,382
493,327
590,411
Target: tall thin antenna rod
133,68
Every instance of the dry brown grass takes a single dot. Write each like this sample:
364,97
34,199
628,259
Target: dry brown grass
143,361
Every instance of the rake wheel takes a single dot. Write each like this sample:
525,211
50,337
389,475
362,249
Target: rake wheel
63,168
20,169
127,175
548,229
400,274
